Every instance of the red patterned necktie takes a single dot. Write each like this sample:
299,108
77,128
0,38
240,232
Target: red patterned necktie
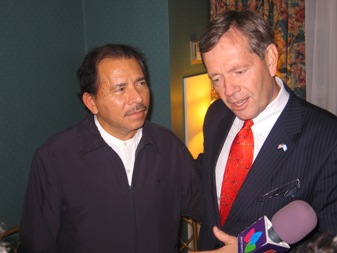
238,164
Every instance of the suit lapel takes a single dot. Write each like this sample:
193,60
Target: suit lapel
269,160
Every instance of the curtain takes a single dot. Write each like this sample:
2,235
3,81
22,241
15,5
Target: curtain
287,19
321,43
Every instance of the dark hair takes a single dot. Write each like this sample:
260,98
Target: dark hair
87,72
324,243
250,24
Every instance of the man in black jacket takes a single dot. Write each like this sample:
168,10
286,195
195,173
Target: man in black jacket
114,182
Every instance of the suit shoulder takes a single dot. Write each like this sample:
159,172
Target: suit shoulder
162,137
218,106
319,115
159,131
217,110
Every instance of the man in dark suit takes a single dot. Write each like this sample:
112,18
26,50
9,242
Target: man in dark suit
295,142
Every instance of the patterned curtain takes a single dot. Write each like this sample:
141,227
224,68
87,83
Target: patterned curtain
287,18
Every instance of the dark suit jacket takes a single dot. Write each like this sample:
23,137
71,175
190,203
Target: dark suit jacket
78,198
307,170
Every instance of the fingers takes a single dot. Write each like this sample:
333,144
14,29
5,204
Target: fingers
223,237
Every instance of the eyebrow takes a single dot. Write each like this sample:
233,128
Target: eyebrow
214,75
141,79
236,67
119,84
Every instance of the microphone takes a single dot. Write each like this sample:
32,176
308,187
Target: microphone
288,225
293,222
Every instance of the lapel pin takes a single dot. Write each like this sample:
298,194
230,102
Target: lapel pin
283,146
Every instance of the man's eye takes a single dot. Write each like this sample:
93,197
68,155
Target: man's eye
215,81
119,88
142,83
240,72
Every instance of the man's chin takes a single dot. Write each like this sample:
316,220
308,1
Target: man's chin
137,121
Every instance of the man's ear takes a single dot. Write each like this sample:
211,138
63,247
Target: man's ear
271,58
89,101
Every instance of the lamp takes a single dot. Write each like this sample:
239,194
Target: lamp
197,98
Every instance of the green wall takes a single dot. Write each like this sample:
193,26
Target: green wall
42,43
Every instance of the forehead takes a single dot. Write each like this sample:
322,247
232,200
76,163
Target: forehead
232,39
233,35
232,48
118,65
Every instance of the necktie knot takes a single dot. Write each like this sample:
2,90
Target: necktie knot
248,123
244,132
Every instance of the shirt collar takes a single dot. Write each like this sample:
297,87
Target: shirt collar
274,109
111,140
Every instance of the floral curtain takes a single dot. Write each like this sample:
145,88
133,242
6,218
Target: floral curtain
287,18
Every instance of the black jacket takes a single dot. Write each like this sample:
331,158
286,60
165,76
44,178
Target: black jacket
78,198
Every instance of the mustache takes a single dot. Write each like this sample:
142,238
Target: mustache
137,108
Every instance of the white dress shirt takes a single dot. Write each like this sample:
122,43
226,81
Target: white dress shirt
126,150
